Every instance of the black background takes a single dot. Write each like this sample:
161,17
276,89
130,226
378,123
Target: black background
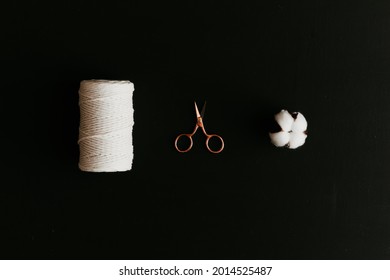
329,199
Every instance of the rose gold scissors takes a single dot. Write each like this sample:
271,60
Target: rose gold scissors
199,123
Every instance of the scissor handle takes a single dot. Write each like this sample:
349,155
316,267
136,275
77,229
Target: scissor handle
189,136
209,136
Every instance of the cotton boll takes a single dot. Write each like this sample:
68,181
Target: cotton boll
293,130
285,120
297,139
280,139
299,124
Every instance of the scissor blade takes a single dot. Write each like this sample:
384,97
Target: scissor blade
197,111
203,110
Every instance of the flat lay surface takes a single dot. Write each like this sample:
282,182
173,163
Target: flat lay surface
328,199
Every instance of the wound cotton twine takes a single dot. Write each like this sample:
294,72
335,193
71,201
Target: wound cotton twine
106,125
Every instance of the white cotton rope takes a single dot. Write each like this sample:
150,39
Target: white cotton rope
106,125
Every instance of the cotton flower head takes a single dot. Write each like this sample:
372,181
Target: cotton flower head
293,131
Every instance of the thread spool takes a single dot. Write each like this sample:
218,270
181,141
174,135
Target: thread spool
106,125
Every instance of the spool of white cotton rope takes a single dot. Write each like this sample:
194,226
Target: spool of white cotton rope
106,125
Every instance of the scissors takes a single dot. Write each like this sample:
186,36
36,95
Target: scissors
199,123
